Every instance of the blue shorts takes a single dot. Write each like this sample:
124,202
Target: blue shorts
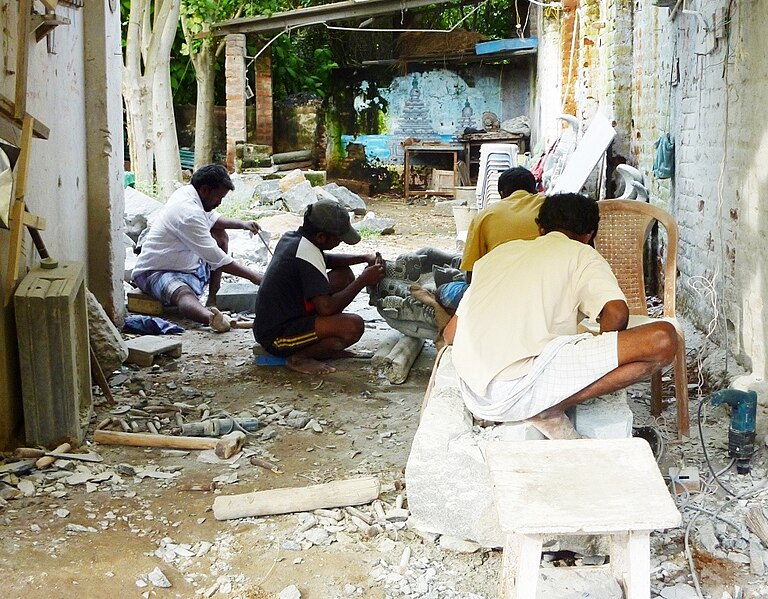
449,295
163,284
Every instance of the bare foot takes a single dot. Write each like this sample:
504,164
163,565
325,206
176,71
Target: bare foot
308,366
428,299
218,322
346,353
558,426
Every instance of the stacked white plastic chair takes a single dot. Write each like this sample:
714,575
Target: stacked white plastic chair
494,160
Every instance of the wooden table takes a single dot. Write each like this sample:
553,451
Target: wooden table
452,149
587,486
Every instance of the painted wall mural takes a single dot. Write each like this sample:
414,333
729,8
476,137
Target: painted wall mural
434,105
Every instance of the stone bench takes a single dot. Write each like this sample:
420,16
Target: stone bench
607,487
447,477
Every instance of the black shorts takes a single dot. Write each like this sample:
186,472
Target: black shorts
294,336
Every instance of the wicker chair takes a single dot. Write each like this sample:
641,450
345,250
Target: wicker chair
624,226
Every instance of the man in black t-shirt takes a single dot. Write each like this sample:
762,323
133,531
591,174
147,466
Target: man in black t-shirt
300,303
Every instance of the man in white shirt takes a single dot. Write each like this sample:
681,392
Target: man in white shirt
186,248
517,351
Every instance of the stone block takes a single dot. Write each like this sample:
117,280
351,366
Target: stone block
54,354
108,345
142,350
237,297
350,200
300,196
448,480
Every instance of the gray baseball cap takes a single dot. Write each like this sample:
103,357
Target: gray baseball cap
331,217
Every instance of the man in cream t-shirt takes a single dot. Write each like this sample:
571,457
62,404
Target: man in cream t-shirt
517,351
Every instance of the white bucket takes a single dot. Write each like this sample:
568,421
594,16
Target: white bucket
465,194
463,215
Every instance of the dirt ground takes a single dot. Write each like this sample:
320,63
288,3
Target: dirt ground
103,533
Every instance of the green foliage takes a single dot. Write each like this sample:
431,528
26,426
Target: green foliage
153,190
236,205
301,63
366,233
495,19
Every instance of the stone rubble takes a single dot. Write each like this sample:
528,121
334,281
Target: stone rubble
410,564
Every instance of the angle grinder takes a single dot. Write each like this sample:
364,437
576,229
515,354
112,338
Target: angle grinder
741,434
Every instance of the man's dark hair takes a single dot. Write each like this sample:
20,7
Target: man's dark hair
514,179
571,212
212,175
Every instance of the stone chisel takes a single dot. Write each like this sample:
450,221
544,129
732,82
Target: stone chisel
31,452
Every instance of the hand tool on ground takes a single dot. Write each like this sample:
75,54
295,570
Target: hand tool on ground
224,448
215,427
51,458
33,452
241,324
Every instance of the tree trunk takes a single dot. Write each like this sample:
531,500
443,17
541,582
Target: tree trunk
147,92
204,74
136,96
167,161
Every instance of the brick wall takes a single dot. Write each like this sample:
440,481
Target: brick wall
263,70
707,86
235,92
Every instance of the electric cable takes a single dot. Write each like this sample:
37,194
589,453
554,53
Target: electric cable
702,403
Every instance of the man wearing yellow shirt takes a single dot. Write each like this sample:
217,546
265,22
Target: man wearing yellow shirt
514,217
517,352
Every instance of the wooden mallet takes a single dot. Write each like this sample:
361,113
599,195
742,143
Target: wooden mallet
224,448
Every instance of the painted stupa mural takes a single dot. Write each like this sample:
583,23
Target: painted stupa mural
415,120
466,119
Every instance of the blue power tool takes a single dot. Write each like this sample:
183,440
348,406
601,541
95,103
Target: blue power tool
741,435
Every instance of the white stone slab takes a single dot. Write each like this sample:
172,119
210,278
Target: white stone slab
448,481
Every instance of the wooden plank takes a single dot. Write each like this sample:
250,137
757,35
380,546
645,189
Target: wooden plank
340,493
11,126
16,237
22,165
14,251
33,221
148,440
144,304
22,57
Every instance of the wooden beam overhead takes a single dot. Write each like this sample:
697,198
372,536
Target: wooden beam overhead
313,15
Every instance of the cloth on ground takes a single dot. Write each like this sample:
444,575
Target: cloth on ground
150,325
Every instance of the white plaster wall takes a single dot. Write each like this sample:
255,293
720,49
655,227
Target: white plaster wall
714,112
693,109
544,127
707,85
75,176
56,186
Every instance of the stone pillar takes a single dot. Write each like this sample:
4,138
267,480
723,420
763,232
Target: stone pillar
104,156
234,72
263,70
